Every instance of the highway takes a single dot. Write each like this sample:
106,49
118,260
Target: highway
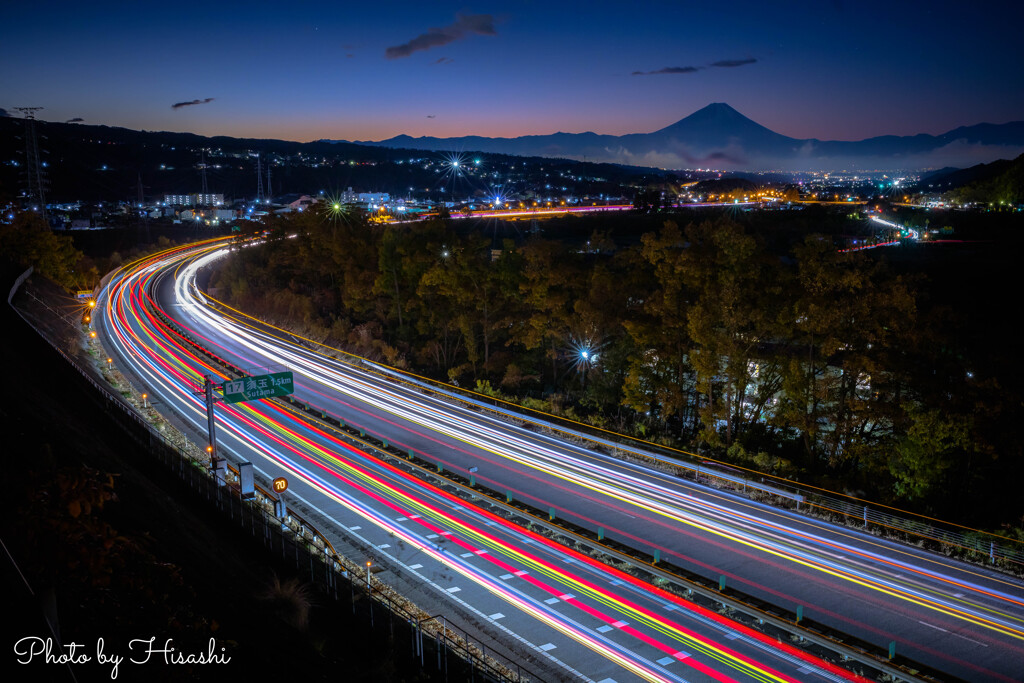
569,614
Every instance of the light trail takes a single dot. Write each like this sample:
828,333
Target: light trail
633,490
338,471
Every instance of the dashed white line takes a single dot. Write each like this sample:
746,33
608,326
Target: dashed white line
937,628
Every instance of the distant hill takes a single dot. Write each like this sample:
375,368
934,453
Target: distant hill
999,182
954,178
720,137
104,163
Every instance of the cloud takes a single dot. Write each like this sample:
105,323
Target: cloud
431,116
734,62
349,55
444,60
179,105
480,24
3,112
669,70
77,119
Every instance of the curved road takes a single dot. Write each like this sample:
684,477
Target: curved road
954,617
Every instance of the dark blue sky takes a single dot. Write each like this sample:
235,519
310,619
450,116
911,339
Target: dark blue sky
308,70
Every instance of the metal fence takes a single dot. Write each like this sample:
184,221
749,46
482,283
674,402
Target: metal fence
435,641
943,536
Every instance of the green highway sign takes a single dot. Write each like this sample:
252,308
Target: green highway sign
258,386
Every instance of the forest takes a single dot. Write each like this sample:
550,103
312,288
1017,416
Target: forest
713,332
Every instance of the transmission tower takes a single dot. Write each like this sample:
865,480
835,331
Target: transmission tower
143,215
259,180
35,175
202,167
270,191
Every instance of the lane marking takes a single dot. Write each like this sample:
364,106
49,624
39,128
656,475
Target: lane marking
496,616
548,646
937,628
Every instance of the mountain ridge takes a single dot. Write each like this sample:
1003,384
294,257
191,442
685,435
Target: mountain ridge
719,136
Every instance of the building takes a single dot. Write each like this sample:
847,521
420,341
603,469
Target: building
194,199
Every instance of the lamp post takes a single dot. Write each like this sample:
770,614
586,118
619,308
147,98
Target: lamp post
368,563
144,404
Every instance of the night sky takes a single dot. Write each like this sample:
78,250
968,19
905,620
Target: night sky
371,70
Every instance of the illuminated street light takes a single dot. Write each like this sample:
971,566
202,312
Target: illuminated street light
144,397
368,563
93,334
110,362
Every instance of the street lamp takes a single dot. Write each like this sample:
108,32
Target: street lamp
144,404
368,563
109,363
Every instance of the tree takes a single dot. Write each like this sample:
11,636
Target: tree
847,315
29,240
732,319
929,448
660,375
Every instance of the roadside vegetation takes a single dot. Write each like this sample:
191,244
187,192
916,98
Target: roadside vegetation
766,348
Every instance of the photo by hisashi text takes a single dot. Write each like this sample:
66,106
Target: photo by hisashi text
139,651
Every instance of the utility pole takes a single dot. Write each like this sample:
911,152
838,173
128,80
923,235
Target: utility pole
35,176
218,465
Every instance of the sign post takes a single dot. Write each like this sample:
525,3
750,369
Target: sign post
236,391
280,485
215,462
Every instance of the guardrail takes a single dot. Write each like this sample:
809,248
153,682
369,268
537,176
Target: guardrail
457,653
782,620
982,545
